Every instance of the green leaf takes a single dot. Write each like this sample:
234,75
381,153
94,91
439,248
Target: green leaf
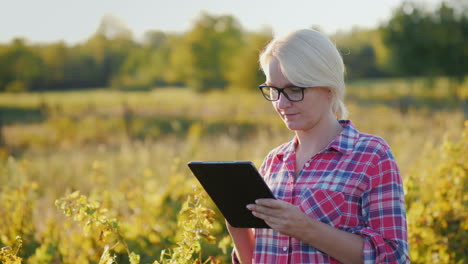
134,258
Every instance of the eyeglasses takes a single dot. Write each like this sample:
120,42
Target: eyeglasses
292,93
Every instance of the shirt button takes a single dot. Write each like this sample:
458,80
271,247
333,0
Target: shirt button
285,248
307,164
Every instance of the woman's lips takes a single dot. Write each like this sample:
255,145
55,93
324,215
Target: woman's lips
289,116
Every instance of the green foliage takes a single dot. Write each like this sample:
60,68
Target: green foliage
195,222
107,258
216,53
147,209
212,45
246,73
17,206
436,200
363,53
108,54
56,59
49,250
92,218
8,255
20,67
16,86
426,42
409,25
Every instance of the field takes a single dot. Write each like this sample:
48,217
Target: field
96,176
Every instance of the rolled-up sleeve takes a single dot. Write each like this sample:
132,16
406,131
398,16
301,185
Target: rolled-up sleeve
234,258
385,231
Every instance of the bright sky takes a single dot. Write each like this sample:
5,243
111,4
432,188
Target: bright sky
75,21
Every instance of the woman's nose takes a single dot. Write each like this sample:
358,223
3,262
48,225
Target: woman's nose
283,102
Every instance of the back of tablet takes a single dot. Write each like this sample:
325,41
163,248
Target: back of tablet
232,185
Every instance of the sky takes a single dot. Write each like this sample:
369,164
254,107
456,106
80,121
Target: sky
74,21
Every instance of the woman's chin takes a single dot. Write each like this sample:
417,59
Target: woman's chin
293,126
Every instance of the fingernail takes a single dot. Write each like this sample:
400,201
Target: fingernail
249,206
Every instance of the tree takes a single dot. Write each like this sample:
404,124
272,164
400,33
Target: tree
154,39
424,43
450,33
109,47
55,60
148,64
408,36
179,60
112,27
363,53
20,67
246,74
212,45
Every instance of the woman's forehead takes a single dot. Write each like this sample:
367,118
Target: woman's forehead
275,76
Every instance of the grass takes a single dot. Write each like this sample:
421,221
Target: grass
129,150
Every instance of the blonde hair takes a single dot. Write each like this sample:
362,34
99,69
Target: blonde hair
308,58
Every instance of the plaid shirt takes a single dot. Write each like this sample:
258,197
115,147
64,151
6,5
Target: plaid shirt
353,184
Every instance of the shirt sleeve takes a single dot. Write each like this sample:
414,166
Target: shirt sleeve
235,259
385,232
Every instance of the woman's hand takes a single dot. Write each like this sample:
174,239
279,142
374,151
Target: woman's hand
282,216
290,220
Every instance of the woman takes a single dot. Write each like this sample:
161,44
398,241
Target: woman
339,191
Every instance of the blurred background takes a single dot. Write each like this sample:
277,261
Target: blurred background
113,98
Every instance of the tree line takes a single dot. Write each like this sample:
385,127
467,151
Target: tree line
217,53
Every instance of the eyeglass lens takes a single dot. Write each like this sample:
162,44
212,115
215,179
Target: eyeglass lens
292,93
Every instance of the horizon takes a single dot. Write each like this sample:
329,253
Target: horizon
38,23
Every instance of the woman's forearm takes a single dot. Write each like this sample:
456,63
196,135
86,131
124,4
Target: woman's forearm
341,245
244,242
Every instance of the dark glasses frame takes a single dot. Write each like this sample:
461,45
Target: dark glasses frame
280,91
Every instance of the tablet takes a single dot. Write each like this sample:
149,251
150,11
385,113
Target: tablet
232,185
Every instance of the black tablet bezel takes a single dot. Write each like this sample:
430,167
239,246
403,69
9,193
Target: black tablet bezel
232,185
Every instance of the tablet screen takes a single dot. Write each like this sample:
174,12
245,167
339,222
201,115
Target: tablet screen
232,185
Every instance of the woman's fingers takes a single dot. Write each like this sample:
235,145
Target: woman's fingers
265,207
270,209
260,211
272,203
280,215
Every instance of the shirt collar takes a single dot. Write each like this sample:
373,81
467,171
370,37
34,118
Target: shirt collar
346,140
343,143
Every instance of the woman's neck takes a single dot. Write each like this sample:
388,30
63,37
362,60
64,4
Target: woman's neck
314,140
